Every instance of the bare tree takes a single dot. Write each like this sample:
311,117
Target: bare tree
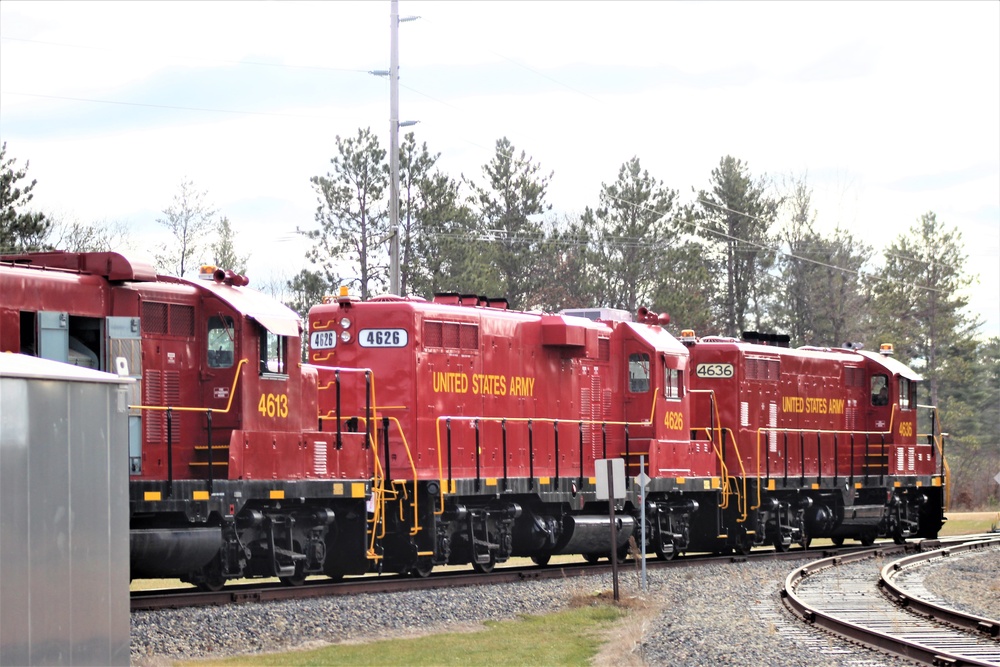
189,220
100,236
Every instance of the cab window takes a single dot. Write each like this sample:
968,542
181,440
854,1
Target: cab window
638,372
880,390
221,342
672,383
273,353
906,401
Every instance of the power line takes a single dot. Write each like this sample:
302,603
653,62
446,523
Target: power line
188,57
164,106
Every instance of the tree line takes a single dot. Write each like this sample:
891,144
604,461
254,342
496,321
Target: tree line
744,253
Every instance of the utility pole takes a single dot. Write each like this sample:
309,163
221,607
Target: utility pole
394,125
394,147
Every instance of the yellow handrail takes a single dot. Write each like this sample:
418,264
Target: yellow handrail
938,440
232,392
543,420
776,430
720,433
378,486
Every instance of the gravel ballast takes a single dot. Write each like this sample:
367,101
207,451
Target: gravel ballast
727,614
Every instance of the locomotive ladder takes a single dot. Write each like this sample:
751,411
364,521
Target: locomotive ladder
376,439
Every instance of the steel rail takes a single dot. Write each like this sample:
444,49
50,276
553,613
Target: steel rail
944,614
150,600
850,612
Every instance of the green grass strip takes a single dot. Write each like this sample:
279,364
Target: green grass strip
568,637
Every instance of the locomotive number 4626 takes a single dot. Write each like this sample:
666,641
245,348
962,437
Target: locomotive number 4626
382,338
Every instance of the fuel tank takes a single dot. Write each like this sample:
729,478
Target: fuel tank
171,552
588,534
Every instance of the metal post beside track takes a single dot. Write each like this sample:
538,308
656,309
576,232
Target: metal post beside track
614,531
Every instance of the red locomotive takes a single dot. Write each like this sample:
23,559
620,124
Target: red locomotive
489,423
458,431
821,442
230,474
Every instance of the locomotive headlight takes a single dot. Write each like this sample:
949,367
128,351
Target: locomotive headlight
345,336
345,323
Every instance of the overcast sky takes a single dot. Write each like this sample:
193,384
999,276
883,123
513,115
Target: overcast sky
890,109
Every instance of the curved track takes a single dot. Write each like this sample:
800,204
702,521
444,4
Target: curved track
840,594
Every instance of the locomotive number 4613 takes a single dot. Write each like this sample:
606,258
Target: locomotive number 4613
382,338
273,405
714,370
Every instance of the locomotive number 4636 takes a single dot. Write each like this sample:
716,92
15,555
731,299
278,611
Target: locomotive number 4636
714,370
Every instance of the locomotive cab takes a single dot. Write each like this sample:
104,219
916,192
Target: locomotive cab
229,474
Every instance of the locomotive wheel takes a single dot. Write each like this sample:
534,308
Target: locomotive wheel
897,537
779,544
296,579
592,558
212,584
867,538
837,541
665,555
211,578
422,569
541,560
485,568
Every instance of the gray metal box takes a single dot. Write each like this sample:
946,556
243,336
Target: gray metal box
64,561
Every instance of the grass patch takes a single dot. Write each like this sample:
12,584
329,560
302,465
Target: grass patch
570,637
962,525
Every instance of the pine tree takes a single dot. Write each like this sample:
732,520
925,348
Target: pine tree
508,206
633,230
735,218
352,214
20,230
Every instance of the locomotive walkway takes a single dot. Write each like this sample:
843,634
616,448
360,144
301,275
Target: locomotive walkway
840,594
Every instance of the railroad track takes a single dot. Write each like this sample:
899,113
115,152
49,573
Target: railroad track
256,592
840,594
